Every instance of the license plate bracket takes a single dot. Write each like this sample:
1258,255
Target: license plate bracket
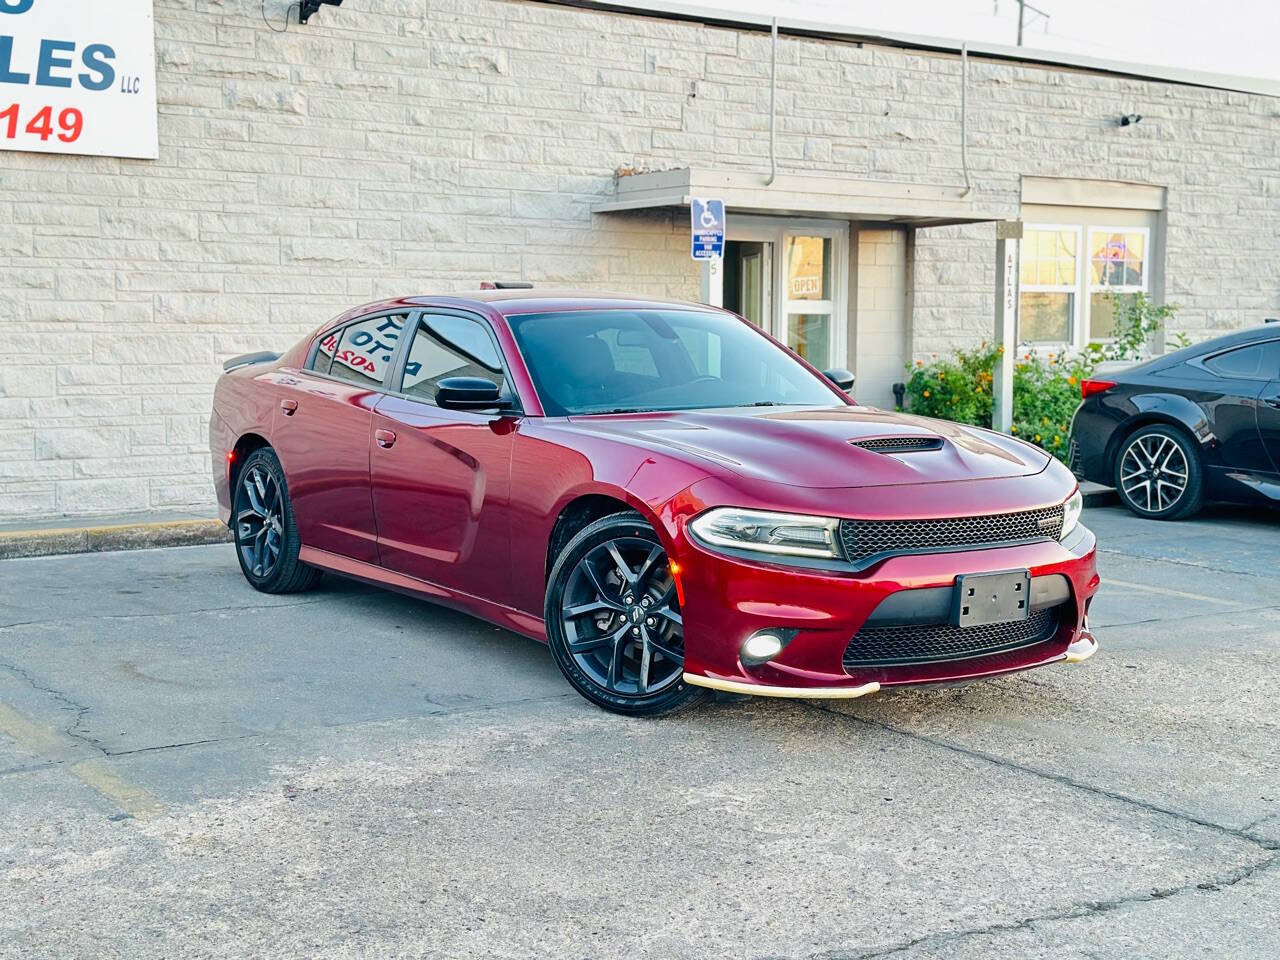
982,598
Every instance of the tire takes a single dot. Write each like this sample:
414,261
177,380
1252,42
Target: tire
1158,473
632,628
265,532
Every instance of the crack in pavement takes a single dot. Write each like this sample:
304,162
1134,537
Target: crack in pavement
1183,563
257,608
301,731
1087,908
1218,614
75,729
1081,909
1238,834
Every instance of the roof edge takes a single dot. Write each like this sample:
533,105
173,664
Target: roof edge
680,10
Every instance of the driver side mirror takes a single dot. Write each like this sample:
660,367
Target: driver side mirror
841,377
469,393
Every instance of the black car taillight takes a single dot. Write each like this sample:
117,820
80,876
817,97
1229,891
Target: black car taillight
1089,387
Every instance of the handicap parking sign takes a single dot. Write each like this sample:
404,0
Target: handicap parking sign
707,221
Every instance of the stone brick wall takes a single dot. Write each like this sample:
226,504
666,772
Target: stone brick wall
396,146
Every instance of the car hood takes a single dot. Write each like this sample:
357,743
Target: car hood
817,447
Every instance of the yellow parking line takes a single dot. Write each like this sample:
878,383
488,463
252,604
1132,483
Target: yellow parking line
1165,591
125,794
49,744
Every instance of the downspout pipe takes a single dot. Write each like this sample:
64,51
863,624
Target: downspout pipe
964,118
773,109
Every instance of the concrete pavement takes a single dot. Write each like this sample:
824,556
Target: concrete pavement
190,768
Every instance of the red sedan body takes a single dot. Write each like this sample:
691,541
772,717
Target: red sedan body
462,507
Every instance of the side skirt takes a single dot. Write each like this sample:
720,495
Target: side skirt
514,620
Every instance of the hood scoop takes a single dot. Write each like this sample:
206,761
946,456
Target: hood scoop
892,445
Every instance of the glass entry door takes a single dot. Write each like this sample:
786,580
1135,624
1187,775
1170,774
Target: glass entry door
808,307
790,279
748,280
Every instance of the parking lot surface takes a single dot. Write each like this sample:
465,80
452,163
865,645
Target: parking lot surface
189,768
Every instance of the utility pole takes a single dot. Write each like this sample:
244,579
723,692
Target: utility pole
1023,7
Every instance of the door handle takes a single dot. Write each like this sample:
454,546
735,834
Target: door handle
386,438
1272,402
289,407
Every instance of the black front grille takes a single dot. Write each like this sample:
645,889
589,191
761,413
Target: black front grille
926,643
899,444
864,539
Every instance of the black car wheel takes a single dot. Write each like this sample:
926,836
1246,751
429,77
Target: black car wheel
266,535
613,619
1158,473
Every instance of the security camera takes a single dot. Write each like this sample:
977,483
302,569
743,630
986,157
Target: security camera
1125,121
307,7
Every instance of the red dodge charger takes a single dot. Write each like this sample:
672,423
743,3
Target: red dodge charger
671,500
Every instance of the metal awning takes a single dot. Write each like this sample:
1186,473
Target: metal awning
802,195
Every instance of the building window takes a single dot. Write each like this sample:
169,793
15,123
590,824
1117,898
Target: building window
1050,284
1117,266
1065,301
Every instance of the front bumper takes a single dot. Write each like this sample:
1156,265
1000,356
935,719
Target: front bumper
726,599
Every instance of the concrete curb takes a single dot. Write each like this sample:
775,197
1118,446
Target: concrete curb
1096,495
124,536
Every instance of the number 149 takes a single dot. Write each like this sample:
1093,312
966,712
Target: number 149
70,124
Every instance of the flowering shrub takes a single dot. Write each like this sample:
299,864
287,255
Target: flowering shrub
1046,390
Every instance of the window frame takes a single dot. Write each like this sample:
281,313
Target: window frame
1085,288
774,229
1091,288
1074,325
509,392
309,369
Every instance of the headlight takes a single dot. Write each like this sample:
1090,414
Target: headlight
1071,514
788,533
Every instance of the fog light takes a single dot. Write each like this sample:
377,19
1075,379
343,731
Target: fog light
763,647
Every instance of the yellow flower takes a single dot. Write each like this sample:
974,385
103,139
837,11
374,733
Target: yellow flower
1071,381
1037,438
926,393
919,363
1013,429
1056,440
1000,350
1044,419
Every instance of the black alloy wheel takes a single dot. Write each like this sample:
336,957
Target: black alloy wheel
266,535
613,619
1158,473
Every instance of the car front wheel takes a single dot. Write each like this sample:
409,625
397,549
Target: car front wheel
613,619
1158,473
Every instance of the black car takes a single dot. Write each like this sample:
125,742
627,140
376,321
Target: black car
1200,423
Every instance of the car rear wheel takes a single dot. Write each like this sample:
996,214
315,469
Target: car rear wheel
613,619
266,535
1158,473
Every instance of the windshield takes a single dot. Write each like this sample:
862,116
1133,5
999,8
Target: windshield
615,361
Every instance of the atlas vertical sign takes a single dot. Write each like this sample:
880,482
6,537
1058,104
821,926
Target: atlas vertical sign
78,76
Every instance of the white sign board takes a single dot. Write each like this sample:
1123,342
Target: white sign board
78,76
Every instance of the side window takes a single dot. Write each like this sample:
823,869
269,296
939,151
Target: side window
1257,361
361,352
448,346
